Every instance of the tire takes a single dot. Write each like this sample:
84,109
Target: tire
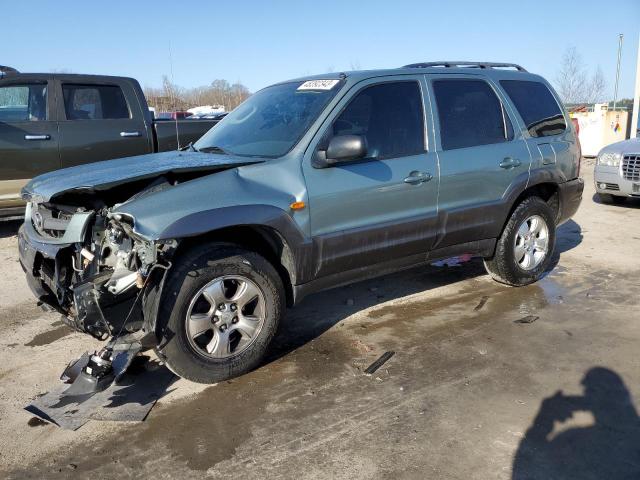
503,266
608,198
196,284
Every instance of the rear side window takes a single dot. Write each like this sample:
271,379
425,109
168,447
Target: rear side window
470,114
94,102
537,107
23,103
390,117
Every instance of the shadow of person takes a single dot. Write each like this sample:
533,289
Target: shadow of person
608,449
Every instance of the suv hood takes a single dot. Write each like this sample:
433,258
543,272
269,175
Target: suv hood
102,176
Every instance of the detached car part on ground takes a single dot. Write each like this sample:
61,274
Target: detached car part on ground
308,185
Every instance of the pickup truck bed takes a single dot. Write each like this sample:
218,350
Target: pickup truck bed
53,121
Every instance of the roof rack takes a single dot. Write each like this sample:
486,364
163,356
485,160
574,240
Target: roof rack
6,70
466,64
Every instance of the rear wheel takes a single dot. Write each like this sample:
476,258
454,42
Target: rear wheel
221,307
525,247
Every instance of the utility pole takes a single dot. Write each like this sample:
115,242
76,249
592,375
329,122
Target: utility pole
615,92
636,97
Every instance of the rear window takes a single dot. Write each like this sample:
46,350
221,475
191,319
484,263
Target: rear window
470,114
537,107
94,102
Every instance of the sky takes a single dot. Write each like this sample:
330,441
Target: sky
262,42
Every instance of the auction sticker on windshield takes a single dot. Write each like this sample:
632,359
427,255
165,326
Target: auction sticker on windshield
318,85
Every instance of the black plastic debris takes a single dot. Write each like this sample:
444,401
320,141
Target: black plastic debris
483,300
129,398
527,319
384,358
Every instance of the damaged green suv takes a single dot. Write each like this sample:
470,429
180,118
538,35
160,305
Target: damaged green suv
308,185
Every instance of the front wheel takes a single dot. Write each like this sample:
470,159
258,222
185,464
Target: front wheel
525,248
221,307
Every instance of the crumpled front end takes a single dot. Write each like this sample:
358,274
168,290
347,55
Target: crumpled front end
92,267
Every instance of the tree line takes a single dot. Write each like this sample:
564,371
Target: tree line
171,97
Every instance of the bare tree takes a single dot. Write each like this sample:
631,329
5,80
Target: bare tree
596,87
573,82
571,78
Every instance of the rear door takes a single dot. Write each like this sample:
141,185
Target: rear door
552,144
100,121
384,207
482,157
28,136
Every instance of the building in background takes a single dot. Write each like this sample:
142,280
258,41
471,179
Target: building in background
600,127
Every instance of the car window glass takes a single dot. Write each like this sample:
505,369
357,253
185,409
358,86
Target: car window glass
470,114
270,122
23,103
537,107
94,102
389,116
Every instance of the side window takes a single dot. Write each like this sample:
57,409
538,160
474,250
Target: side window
537,107
390,117
470,114
23,103
94,102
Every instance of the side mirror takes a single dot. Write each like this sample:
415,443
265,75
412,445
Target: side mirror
343,148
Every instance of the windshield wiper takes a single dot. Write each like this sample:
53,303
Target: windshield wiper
214,149
189,147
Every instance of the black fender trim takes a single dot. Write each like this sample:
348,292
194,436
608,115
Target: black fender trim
570,198
297,248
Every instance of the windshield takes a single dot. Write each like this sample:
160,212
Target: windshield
270,122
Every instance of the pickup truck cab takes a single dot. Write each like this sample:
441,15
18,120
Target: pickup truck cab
52,121
310,184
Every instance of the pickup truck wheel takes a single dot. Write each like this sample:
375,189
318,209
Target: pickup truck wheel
525,248
221,307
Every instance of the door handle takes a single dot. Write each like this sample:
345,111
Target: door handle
509,163
130,134
416,177
37,137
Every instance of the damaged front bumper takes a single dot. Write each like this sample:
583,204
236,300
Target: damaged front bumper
102,281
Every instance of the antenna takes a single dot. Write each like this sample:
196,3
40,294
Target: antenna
173,96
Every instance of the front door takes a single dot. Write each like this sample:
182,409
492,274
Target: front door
384,207
482,158
28,137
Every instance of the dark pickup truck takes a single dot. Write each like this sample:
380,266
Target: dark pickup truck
51,121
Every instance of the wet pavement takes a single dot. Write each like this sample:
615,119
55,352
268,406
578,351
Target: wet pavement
486,382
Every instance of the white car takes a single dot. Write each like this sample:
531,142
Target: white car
617,171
